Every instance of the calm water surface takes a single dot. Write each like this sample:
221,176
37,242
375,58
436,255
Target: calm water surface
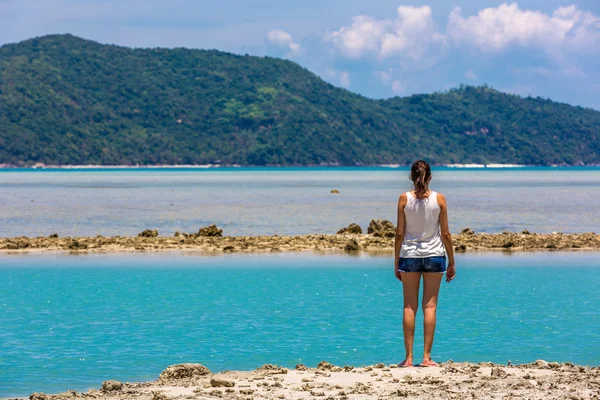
70,322
287,200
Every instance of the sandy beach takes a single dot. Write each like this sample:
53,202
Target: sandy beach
539,380
381,241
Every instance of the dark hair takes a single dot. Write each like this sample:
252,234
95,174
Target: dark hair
419,175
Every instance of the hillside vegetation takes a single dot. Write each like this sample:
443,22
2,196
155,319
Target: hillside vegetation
68,101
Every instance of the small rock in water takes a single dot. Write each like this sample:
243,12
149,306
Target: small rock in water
334,191
149,233
210,231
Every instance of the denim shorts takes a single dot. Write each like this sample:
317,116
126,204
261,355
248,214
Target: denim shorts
424,264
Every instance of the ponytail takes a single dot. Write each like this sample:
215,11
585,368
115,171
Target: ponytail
420,173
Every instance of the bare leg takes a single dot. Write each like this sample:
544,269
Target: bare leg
410,288
431,288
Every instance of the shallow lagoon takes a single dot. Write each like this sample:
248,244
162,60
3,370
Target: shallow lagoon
70,322
248,201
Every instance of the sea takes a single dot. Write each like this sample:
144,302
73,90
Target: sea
72,321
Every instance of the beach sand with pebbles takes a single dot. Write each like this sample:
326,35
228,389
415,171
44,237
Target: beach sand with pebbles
539,380
379,238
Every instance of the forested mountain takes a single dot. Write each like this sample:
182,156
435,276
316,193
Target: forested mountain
65,100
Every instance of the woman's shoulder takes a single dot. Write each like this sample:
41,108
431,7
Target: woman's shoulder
440,197
403,198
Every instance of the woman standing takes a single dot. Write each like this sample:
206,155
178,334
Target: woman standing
422,242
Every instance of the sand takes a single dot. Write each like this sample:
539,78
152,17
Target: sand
540,380
351,243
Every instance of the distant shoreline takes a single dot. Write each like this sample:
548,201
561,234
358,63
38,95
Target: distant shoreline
332,166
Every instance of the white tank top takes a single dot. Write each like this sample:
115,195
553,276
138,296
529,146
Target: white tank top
422,231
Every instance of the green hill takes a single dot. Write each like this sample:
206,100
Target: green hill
65,100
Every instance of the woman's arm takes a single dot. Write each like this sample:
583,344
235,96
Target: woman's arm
446,237
401,223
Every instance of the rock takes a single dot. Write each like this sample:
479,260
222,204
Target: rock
159,396
53,236
17,243
77,245
467,231
324,366
351,245
553,365
210,231
182,371
526,232
498,372
461,248
334,191
149,233
541,364
220,382
379,365
109,386
354,229
532,383
177,234
381,228
301,367
272,369
38,396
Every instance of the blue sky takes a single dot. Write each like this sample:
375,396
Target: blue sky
378,48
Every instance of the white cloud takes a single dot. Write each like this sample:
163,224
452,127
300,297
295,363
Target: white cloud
281,38
398,87
345,79
566,71
495,29
470,75
384,76
409,35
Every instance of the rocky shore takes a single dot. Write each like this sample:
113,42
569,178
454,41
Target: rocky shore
539,380
379,238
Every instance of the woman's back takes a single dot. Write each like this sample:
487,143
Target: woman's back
422,233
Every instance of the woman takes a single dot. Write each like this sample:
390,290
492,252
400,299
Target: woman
422,242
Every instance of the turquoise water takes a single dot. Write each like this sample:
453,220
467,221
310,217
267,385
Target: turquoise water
286,200
70,322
